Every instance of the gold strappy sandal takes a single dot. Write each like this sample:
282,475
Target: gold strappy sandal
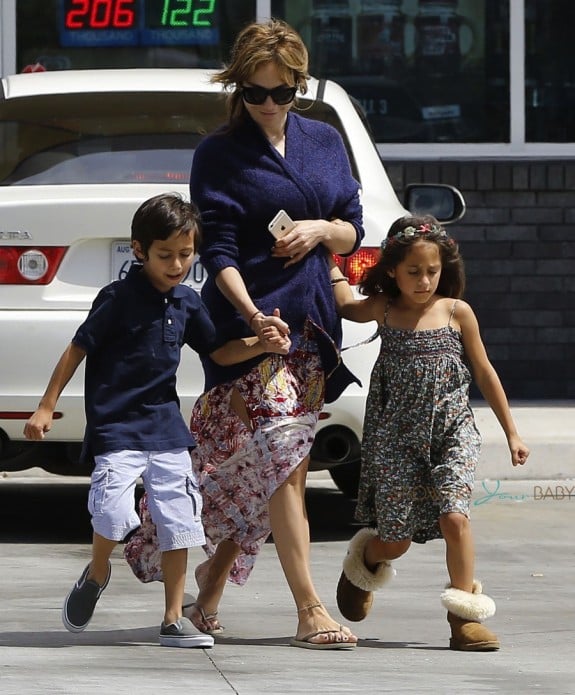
206,619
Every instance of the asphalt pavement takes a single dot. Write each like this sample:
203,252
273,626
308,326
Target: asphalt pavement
523,528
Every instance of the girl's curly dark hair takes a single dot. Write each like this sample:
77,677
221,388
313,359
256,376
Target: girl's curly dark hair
377,280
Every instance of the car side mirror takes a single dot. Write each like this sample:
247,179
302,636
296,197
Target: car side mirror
444,202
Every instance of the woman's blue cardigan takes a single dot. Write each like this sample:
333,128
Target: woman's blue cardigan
239,182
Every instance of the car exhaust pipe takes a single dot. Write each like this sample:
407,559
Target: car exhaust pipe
335,445
336,448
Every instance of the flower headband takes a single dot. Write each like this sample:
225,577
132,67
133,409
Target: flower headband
413,232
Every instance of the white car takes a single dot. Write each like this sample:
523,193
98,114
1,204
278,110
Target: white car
79,152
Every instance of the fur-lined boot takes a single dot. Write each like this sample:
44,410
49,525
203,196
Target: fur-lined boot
357,583
466,611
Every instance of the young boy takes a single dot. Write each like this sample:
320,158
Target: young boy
134,428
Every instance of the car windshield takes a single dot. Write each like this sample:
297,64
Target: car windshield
110,137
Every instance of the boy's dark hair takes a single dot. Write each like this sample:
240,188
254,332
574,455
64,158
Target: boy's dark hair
159,217
402,234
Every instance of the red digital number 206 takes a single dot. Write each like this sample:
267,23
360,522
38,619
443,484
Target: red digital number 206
100,14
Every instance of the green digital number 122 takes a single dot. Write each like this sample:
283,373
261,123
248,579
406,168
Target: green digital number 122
184,14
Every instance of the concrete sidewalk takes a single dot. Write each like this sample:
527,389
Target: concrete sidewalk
524,548
548,429
523,520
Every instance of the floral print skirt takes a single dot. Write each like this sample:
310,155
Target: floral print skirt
239,467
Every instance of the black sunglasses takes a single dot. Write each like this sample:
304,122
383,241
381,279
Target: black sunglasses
257,95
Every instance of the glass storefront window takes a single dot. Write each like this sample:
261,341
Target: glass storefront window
549,70
424,70
458,76
79,34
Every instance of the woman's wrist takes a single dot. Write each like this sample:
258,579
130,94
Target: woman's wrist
253,316
342,236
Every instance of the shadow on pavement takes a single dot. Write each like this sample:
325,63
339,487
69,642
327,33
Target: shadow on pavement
57,513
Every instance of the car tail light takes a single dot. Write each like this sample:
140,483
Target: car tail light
354,266
25,265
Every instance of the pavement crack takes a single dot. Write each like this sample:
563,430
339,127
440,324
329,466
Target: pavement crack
222,674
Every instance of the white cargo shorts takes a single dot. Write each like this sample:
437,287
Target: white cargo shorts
174,500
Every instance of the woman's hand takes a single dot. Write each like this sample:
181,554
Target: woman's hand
272,332
269,329
338,236
305,236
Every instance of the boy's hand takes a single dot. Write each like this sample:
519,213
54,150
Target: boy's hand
519,452
261,321
274,341
38,424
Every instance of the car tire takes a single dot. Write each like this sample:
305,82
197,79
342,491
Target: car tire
346,477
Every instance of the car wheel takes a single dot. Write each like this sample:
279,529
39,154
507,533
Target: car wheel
346,477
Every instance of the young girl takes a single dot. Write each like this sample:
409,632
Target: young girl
420,443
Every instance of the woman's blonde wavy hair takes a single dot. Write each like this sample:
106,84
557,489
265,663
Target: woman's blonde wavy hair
257,44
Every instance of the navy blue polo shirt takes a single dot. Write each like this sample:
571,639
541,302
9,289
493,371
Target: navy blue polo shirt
133,336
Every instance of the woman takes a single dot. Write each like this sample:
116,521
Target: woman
255,424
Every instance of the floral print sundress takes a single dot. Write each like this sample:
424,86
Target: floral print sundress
420,442
238,468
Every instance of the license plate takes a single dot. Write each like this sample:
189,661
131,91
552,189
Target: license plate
122,258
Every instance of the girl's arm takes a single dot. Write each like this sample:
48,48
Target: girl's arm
488,381
41,421
348,307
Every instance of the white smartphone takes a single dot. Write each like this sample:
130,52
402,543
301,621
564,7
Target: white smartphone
281,224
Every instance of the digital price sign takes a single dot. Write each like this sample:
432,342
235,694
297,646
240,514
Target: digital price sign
92,23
